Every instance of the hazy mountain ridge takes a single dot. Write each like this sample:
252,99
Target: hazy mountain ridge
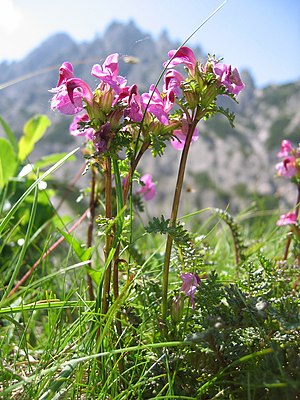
225,165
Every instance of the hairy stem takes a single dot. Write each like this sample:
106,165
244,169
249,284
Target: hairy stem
90,229
288,243
174,212
142,150
108,238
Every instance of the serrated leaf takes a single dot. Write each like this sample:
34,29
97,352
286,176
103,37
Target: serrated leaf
10,135
34,129
158,225
8,162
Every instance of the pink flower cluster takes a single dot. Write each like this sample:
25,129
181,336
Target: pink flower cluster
226,77
114,103
72,95
289,166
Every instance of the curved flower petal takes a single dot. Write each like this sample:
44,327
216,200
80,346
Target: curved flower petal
153,103
184,55
82,87
172,80
108,73
131,97
65,72
61,101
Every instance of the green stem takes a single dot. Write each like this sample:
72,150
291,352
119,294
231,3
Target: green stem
108,237
90,229
134,164
174,212
288,243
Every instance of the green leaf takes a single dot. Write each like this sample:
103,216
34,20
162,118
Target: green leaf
82,252
158,225
8,161
34,129
95,275
10,136
16,206
51,159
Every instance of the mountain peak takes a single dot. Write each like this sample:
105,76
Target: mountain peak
57,42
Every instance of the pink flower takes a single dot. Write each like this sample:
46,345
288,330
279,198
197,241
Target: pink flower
172,80
287,219
189,285
132,99
80,86
287,168
180,136
185,56
153,103
108,73
286,148
76,130
70,92
61,101
228,77
148,190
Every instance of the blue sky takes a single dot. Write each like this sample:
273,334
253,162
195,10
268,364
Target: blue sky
261,35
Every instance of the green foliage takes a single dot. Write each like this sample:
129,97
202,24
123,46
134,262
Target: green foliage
10,136
158,145
34,129
8,162
239,241
158,225
228,114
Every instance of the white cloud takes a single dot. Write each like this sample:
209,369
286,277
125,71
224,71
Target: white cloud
10,17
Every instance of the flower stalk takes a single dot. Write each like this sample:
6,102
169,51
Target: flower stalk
90,229
174,211
108,237
289,240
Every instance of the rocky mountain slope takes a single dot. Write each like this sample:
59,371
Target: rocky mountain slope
226,166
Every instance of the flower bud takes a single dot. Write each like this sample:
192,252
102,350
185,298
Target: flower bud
177,308
210,94
101,138
104,98
115,118
192,98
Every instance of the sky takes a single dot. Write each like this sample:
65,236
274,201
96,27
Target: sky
260,35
